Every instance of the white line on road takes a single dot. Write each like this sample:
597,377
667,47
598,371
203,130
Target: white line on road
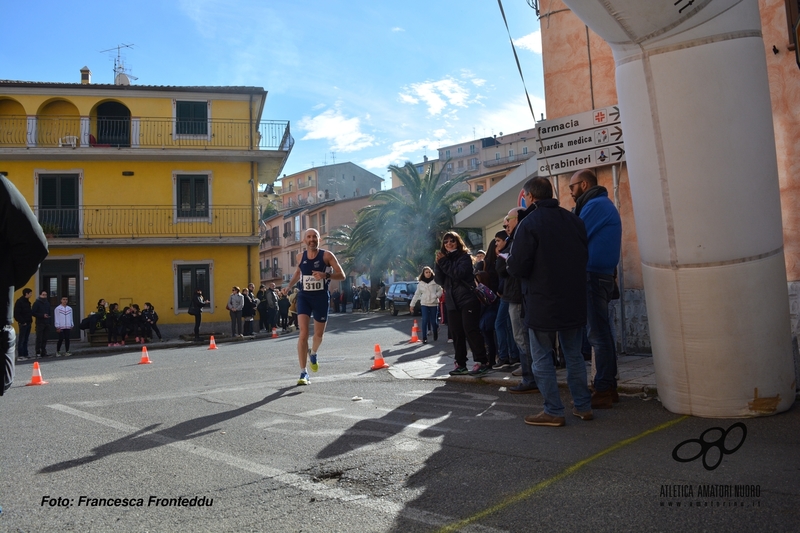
292,480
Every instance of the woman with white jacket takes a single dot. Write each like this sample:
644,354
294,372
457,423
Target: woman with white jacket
427,294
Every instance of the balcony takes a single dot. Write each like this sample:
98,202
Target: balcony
128,225
306,184
271,273
507,160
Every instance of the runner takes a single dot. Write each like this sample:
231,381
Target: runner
315,269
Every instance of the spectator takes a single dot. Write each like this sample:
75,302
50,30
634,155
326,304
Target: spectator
427,294
112,324
364,297
382,295
235,305
272,307
248,312
549,254
196,309
24,247
335,299
283,312
453,272
24,318
150,321
64,324
43,312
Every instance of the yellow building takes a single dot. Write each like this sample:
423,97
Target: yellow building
144,192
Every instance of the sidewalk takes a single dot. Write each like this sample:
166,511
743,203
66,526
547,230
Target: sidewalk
636,373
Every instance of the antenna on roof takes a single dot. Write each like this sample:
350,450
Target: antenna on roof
121,76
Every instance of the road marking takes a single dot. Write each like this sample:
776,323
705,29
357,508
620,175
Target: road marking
527,493
297,481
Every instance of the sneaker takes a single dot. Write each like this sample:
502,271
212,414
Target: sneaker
501,364
517,372
67,354
303,378
459,371
424,341
22,358
583,416
543,419
480,369
59,354
436,335
313,358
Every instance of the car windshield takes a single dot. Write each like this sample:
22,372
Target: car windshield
412,288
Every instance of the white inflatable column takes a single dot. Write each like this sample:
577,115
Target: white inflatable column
695,104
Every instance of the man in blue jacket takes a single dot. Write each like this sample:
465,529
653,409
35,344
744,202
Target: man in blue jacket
604,230
549,254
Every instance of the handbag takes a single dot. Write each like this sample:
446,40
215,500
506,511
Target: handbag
484,294
193,311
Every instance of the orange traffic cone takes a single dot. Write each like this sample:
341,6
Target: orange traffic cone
145,358
37,376
274,333
379,362
414,335
213,344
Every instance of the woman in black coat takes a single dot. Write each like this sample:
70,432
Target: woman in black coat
453,271
196,309
248,312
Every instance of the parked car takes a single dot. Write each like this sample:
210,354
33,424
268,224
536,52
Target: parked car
399,296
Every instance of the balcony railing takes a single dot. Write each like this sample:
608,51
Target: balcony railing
101,222
306,184
143,132
271,273
507,160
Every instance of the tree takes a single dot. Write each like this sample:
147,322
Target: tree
402,229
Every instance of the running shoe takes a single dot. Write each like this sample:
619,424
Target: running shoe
459,371
303,378
313,358
480,369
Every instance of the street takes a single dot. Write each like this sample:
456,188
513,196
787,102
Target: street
224,440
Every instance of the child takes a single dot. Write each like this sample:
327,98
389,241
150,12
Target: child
150,318
64,325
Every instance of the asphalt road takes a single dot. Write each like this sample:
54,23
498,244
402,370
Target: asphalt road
224,440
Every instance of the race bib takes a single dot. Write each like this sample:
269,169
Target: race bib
310,283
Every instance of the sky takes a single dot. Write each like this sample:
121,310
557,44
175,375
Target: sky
373,82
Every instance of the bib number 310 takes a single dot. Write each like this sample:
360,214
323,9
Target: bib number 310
310,283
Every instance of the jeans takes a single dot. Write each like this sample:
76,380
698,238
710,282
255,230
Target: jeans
542,346
22,340
506,347
41,338
430,316
236,323
523,343
598,294
7,346
63,337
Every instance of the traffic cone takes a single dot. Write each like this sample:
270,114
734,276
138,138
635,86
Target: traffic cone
414,333
145,358
213,344
37,376
274,333
379,362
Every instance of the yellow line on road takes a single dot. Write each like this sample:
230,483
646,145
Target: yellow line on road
558,477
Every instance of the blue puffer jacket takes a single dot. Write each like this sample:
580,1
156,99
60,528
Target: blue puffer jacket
604,230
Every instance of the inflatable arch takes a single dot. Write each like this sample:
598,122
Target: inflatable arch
693,92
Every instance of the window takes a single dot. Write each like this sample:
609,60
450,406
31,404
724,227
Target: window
461,164
190,278
473,163
524,149
313,221
275,237
497,156
460,149
191,118
472,148
450,167
293,258
323,222
420,169
192,192
447,154
479,188
792,14
511,153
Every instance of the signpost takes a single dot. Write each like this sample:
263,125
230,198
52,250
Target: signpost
586,140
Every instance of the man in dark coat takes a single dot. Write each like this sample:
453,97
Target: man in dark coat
24,247
550,254
24,318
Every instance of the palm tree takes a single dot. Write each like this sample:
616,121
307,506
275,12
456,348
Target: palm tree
401,230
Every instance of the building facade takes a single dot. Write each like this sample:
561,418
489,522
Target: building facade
144,192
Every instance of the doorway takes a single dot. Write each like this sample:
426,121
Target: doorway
59,277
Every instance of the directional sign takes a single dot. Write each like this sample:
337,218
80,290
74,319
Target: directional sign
586,140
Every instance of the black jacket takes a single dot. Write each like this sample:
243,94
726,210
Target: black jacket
549,254
40,308
23,246
250,304
512,286
449,272
22,311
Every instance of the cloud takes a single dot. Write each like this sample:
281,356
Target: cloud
396,29
343,133
437,95
531,42
399,153
511,117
